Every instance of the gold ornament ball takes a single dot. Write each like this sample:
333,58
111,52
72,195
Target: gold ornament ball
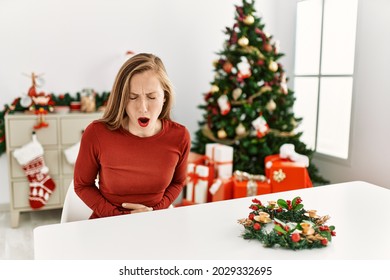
214,88
222,134
265,89
243,41
240,129
237,93
271,106
273,66
249,20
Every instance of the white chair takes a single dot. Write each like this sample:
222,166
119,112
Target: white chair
74,208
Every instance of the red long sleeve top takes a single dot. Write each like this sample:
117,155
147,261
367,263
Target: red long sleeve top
146,170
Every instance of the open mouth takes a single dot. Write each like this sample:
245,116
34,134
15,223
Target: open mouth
143,122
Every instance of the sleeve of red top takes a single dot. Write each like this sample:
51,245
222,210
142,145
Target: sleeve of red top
85,172
179,177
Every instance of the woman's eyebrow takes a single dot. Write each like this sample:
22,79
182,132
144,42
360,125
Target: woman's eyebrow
148,93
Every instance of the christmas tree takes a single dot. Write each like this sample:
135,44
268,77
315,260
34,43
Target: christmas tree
2,132
249,105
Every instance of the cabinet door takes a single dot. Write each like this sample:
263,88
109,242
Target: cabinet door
22,129
67,168
72,128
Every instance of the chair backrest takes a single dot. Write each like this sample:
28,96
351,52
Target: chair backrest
74,208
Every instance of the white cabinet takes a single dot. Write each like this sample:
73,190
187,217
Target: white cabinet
63,131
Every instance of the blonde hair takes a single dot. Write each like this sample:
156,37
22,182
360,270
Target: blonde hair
115,112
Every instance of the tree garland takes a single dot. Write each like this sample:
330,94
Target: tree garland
294,227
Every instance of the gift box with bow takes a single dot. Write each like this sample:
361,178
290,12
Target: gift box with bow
221,189
222,156
200,176
245,184
287,170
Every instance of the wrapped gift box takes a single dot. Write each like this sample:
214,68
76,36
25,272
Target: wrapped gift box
222,156
247,188
285,175
197,186
200,174
221,189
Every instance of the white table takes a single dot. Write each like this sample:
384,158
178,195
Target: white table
359,210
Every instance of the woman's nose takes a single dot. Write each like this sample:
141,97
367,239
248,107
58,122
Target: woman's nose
143,106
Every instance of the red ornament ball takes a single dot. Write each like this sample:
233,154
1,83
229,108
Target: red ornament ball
260,62
267,47
227,67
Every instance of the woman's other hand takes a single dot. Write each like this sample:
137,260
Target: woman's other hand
136,208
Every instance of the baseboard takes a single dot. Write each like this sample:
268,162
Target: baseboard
4,207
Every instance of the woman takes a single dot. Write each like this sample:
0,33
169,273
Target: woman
138,152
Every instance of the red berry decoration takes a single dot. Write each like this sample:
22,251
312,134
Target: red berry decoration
295,237
256,226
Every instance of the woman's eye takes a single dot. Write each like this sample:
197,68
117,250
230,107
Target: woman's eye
133,97
152,97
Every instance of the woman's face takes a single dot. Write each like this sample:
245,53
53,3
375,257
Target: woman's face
145,104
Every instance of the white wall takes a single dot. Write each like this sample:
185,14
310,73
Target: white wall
82,43
370,152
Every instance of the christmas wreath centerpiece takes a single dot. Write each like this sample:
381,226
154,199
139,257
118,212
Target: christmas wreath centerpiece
287,224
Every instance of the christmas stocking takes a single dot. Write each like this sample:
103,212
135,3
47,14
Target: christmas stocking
72,152
30,157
